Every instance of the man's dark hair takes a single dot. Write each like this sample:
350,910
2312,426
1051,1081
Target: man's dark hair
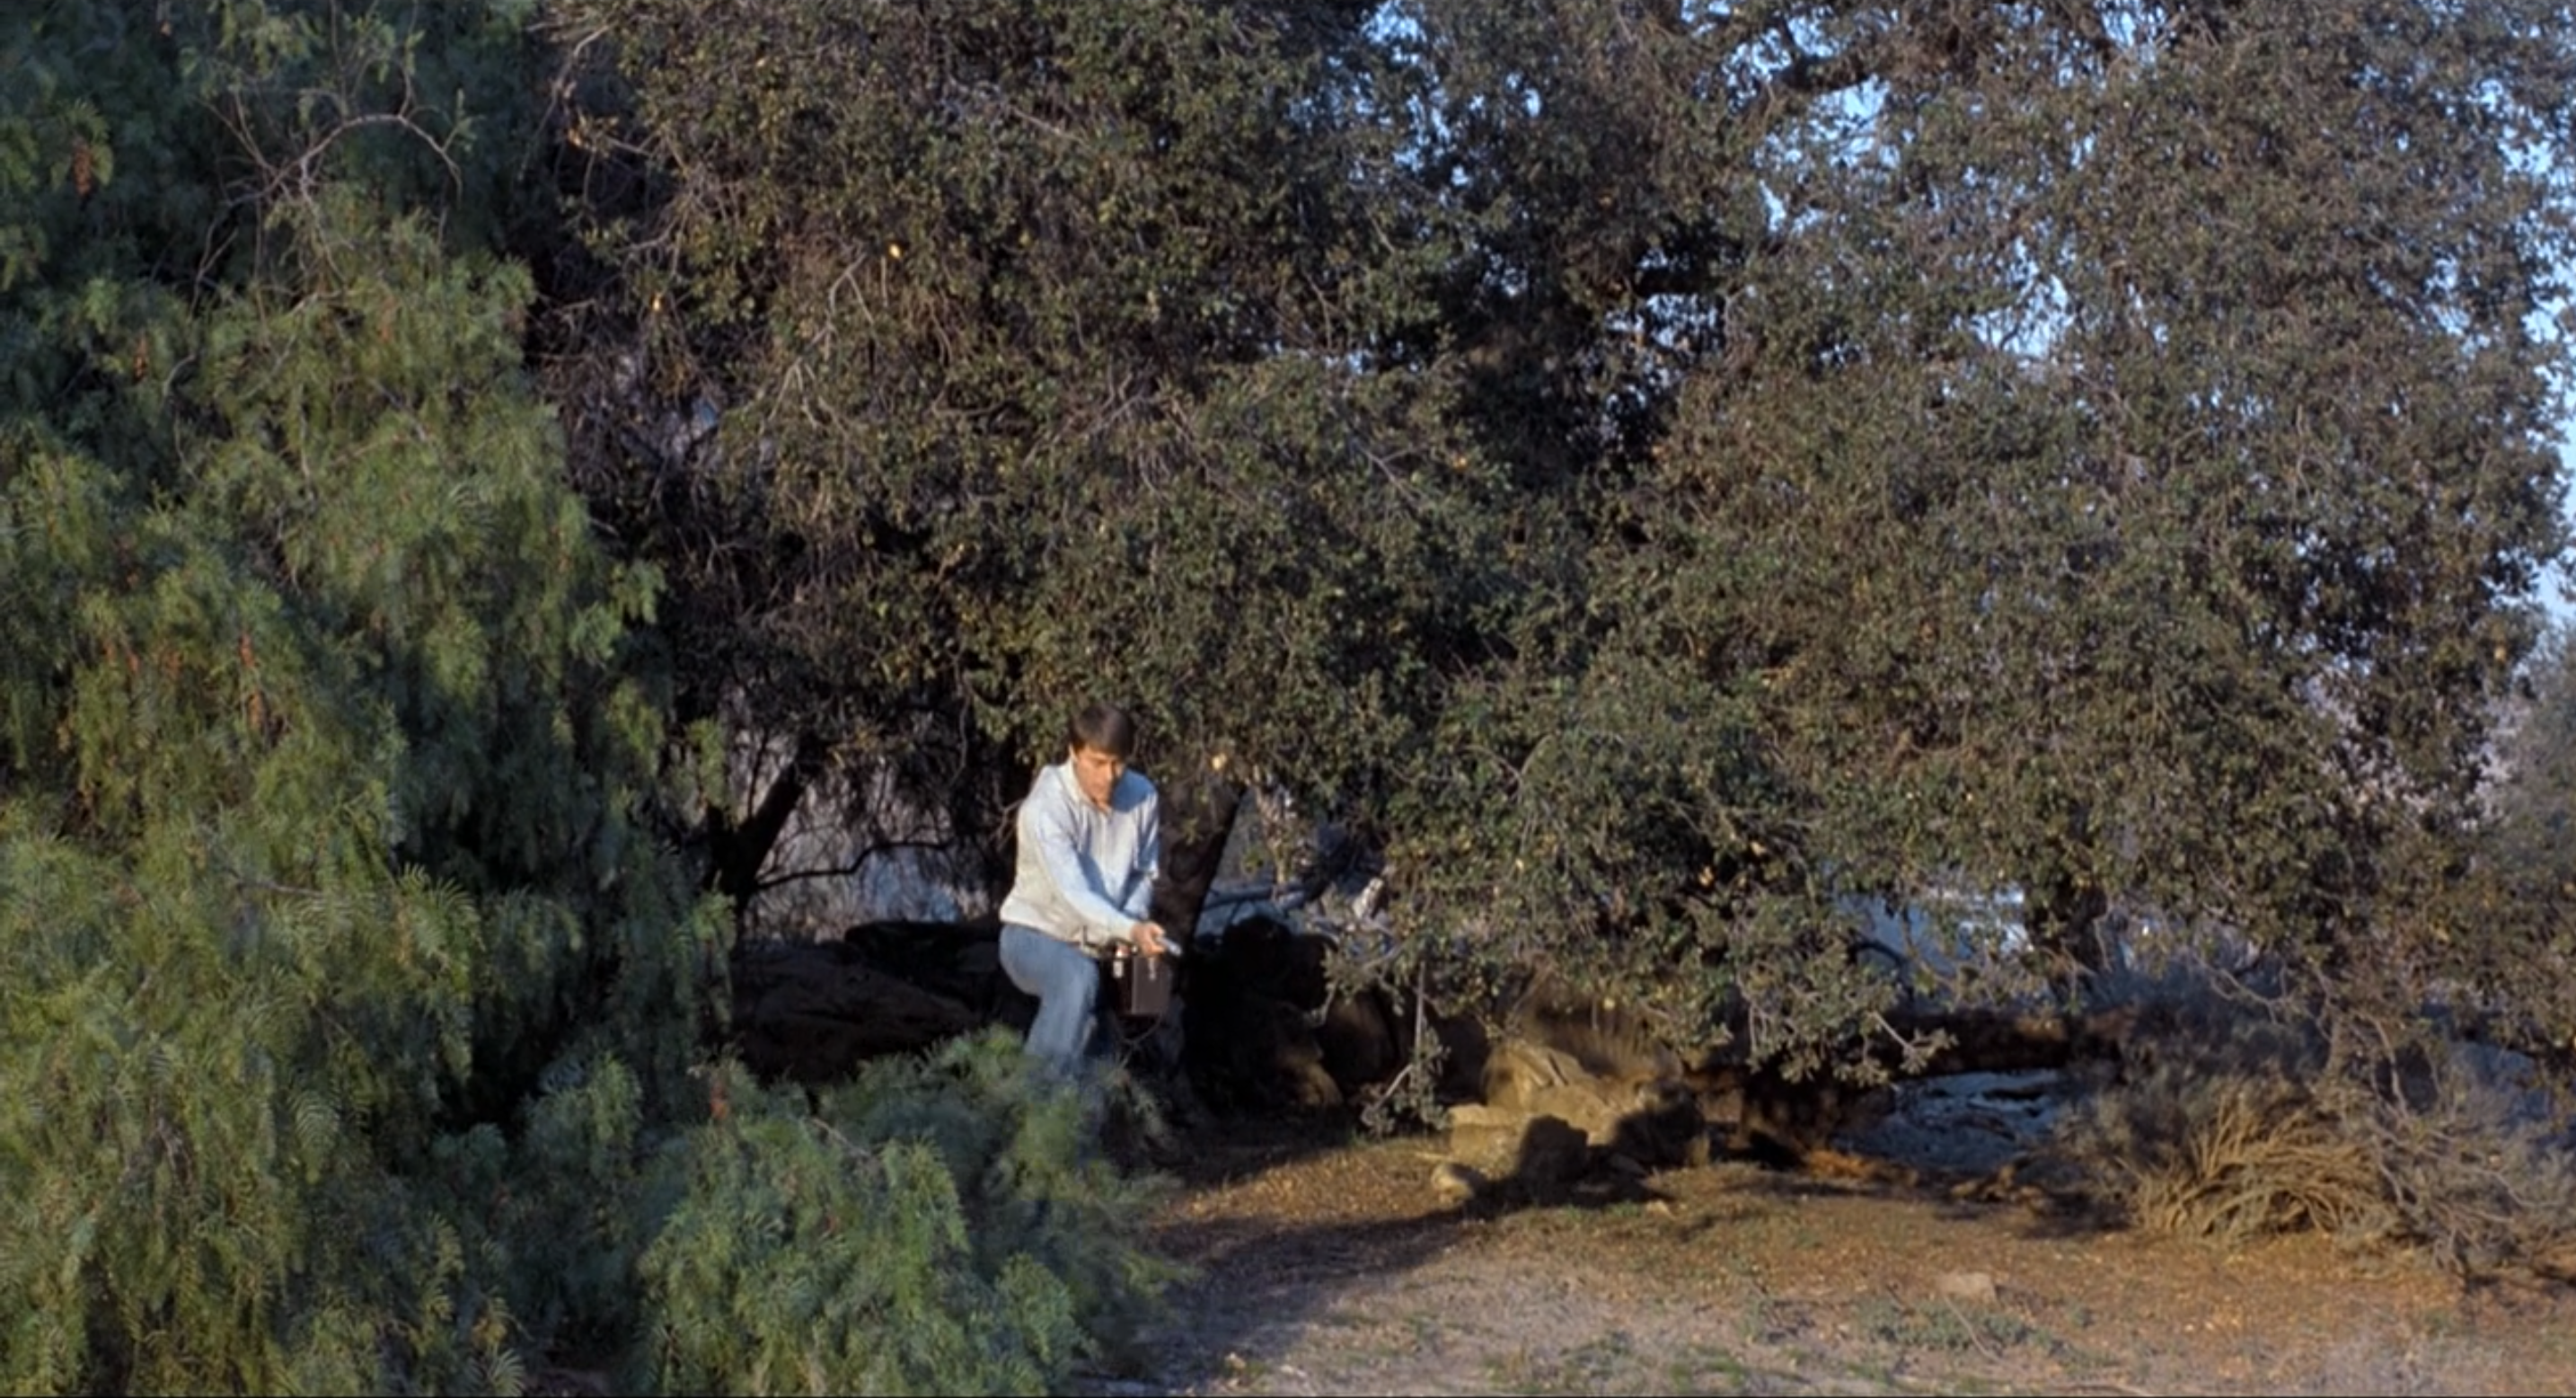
1103,728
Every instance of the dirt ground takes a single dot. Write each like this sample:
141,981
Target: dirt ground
1326,1263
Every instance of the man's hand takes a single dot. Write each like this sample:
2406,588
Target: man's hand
1148,939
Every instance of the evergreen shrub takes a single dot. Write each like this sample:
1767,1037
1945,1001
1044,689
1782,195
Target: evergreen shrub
936,1226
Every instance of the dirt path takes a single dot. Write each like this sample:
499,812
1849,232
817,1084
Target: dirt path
1328,1266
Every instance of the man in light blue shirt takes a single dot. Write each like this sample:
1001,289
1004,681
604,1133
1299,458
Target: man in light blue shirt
1090,848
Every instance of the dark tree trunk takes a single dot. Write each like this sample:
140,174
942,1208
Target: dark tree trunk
1198,819
736,853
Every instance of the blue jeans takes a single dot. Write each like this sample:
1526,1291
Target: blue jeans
1067,983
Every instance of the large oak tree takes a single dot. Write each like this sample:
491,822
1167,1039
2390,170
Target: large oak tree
1039,349
1676,473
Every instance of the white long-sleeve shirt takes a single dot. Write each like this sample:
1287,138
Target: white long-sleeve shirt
1084,874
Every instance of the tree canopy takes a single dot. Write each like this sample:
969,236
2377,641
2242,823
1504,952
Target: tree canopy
1672,472
1043,340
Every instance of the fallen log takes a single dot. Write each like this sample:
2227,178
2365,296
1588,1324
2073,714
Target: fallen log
2001,1041
1558,1047
811,1012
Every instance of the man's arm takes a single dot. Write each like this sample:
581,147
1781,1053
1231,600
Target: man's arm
1139,902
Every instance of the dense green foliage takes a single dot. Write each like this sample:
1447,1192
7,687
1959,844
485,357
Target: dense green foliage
2073,480
1674,475
1040,335
345,972
319,831
1665,475
2512,920
976,1250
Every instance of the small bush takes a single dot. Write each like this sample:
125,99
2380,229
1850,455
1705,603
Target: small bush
2234,1125
2474,1164
938,1226
558,1216
2237,1154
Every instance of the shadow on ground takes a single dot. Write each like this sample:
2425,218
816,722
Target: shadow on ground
1273,1259
1292,1221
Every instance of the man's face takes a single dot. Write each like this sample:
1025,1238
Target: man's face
1097,773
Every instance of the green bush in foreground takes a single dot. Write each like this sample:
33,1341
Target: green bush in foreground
348,991
933,1227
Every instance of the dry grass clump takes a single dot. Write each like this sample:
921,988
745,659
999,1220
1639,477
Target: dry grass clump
2220,1136
2234,1124
2256,1156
